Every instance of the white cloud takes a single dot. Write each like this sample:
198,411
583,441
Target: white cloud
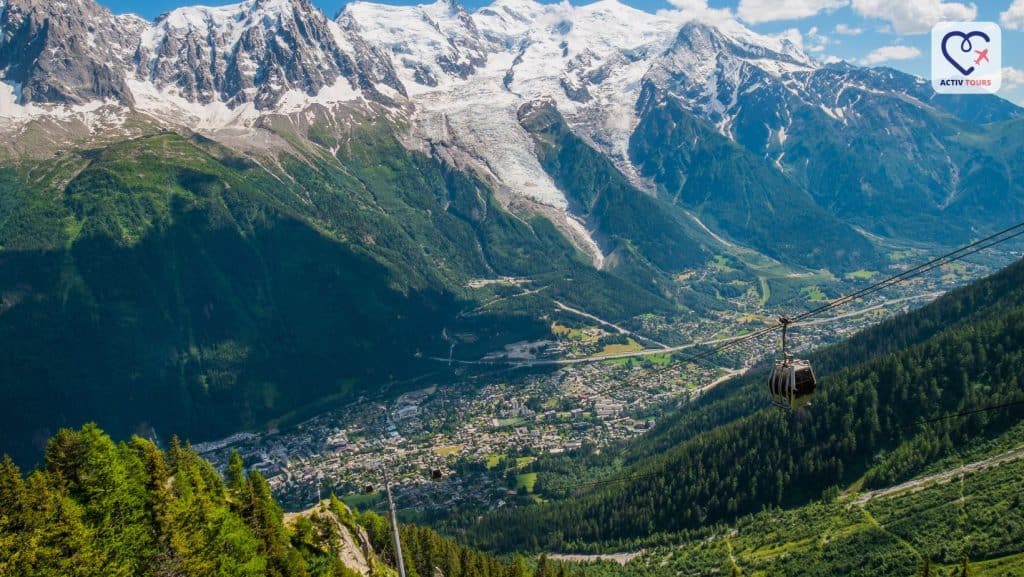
890,53
816,41
848,30
698,9
690,5
1012,78
758,11
791,34
915,16
1013,18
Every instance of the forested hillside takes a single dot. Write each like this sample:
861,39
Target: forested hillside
168,283
133,510
971,525
722,458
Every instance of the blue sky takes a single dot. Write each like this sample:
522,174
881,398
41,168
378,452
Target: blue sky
868,32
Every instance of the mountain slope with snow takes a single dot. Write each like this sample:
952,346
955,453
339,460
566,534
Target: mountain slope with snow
454,81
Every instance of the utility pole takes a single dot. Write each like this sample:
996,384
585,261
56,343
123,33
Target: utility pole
394,522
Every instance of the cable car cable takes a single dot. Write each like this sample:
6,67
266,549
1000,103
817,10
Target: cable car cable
966,413
950,257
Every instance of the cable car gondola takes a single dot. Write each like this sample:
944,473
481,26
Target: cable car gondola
791,382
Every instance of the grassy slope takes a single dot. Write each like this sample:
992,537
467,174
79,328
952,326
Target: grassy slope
978,518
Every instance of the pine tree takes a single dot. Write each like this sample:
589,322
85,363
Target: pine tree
235,478
57,540
12,494
174,452
518,567
266,520
543,567
12,502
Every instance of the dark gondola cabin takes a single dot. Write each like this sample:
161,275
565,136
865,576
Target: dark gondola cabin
791,382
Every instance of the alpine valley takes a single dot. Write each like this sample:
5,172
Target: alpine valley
231,218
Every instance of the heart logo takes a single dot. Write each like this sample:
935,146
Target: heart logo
965,47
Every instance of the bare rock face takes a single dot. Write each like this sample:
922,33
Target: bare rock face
256,51
67,52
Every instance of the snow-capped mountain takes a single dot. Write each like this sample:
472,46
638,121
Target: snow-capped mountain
429,44
712,69
456,81
266,56
259,51
469,74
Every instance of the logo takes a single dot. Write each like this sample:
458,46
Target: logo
967,57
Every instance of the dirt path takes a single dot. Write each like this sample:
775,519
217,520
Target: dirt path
620,558
943,477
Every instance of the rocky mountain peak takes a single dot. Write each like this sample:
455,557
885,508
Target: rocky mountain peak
94,48
255,51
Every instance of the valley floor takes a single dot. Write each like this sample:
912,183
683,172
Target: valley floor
486,432
588,399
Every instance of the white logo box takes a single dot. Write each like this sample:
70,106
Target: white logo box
972,62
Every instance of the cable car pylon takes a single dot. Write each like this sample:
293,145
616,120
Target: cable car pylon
399,557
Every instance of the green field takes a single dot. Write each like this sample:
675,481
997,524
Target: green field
361,501
527,481
662,359
615,349
766,291
626,361
813,294
861,275
721,264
